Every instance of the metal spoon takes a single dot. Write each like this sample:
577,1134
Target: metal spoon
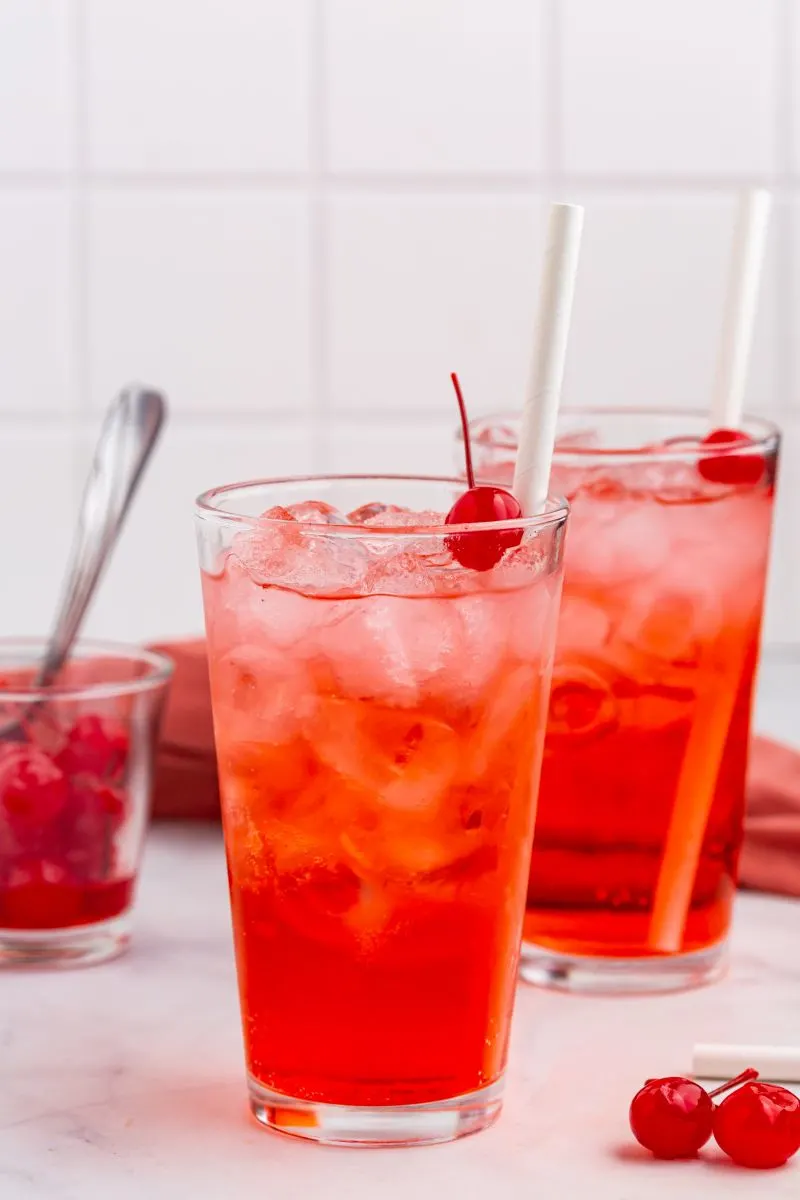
129,433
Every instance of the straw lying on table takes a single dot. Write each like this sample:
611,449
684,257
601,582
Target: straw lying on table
716,1060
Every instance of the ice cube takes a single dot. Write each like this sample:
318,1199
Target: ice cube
478,860
482,637
611,541
582,624
405,761
261,695
367,653
277,513
531,619
496,435
508,704
582,703
292,621
393,649
291,554
405,849
267,552
404,518
577,439
241,611
682,483
317,512
661,626
364,514
403,574
568,480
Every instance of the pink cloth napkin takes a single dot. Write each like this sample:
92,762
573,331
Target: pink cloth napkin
770,860
186,778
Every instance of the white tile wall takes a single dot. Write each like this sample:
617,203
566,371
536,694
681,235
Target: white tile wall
37,469
182,85
647,312
298,216
441,86
38,282
422,285
685,87
205,291
37,85
151,588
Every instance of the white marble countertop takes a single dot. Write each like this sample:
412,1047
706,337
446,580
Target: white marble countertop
125,1082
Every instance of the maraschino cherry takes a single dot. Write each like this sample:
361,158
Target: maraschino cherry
730,468
480,551
758,1125
674,1117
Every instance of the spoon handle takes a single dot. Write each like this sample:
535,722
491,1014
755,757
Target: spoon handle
129,433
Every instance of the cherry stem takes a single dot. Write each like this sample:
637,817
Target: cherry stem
750,1073
462,408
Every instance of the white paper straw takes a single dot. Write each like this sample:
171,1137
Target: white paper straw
776,1064
741,303
540,411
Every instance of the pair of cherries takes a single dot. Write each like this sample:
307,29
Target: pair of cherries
757,1125
481,551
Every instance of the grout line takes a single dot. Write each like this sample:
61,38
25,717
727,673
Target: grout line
212,421
59,424
318,241
384,182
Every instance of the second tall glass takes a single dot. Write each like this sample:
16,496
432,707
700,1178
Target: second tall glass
642,795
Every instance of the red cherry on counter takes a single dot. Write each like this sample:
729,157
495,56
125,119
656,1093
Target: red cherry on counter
758,1125
672,1117
480,551
730,468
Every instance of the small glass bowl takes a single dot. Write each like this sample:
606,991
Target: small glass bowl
76,770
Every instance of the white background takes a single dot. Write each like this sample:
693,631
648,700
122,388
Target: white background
297,216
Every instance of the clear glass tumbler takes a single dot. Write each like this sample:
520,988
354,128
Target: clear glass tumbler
641,802
379,715
76,763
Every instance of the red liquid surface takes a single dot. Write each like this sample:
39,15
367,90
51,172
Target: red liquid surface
658,634
46,905
378,810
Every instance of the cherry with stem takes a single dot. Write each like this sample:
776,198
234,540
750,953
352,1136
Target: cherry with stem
746,1075
480,504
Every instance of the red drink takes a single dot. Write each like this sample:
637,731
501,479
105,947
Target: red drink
379,717
641,803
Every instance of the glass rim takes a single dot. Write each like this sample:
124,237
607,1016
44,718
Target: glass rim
763,444
161,670
556,508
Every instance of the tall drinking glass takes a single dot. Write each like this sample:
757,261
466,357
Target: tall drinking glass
642,794
379,716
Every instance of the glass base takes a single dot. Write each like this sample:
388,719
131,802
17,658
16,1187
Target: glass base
393,1125
620,976
80,946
